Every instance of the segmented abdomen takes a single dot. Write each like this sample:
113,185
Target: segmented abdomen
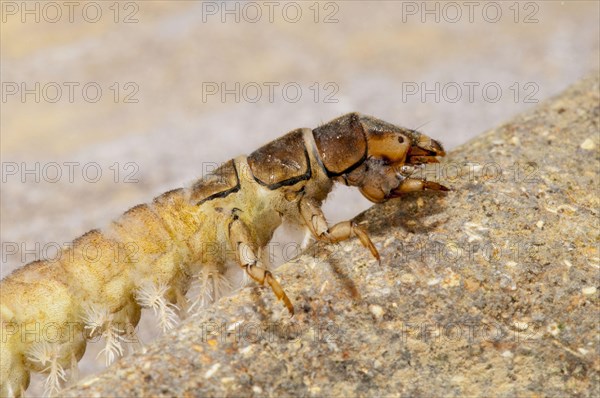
49,308
145,258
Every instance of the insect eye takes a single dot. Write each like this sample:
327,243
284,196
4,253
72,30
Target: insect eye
401,139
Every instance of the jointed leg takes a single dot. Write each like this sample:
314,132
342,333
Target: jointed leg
415,185
317,224
241,241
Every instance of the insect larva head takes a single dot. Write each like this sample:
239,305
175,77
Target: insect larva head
398,145
390,156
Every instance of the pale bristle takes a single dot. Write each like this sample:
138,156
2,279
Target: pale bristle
46,354
99,320
152,295
94,319
212,285
113,348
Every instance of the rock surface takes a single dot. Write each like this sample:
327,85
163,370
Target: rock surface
490,290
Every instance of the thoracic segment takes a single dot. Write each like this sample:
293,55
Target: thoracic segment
224,181
284,161
149,256
340,153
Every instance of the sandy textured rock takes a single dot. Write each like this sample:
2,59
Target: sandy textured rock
489,290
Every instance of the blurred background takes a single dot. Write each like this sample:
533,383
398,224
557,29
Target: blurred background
107,104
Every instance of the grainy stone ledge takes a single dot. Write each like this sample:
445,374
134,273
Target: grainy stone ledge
490,290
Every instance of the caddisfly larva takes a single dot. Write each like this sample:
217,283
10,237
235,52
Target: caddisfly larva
49,309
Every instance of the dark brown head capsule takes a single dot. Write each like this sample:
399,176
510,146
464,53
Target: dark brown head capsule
369,153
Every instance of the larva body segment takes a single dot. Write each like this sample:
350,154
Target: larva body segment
99,272
96,270
149,256
340,153
13,372
142,232
179,219
282,162
43,334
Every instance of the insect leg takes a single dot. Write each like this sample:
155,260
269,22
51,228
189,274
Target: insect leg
74,370
241,241
317,224
181,303
415,185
